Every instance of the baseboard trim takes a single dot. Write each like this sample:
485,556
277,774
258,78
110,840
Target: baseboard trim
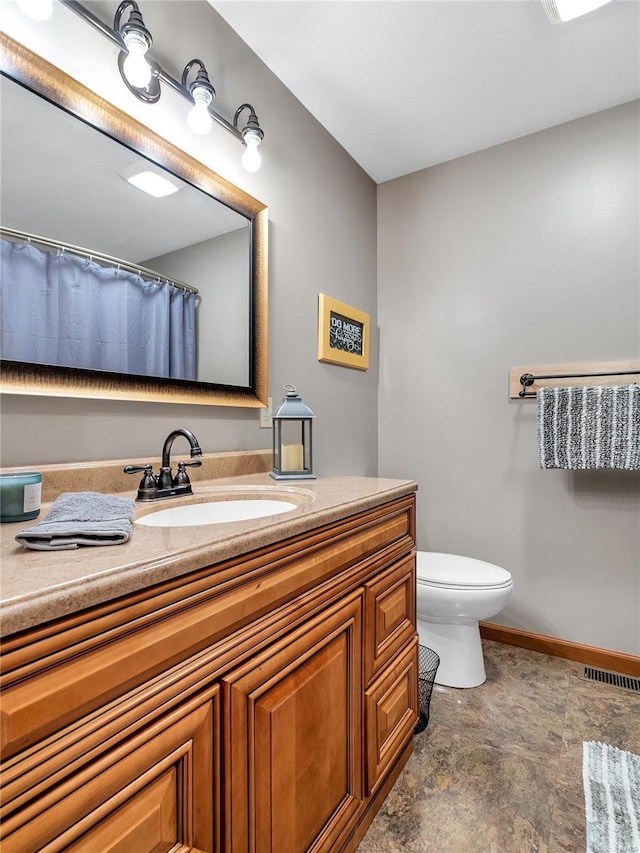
590,655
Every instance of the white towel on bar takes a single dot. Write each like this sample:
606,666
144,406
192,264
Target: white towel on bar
589,427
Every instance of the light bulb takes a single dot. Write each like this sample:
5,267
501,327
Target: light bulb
198,118
251,158
39,10
135,67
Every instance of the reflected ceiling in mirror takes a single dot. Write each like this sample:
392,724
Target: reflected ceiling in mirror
208,234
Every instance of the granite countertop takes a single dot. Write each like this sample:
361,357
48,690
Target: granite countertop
39,586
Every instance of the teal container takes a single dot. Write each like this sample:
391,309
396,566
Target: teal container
20,496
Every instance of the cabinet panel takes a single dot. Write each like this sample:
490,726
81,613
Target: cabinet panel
295,764
390,602
391,712
148,822
156,792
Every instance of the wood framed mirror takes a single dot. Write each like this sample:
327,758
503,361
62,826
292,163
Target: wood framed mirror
222,383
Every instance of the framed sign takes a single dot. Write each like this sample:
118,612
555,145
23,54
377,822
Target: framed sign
343,334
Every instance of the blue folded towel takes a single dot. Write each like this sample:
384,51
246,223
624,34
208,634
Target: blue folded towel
81,518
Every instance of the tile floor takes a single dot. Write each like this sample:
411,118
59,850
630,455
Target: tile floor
499,767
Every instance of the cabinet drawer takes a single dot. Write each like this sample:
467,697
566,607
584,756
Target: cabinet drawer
390,606
151,794
391,712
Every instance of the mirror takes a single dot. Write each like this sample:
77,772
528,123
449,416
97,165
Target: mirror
208,235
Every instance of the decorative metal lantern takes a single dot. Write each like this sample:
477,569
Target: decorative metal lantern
292,439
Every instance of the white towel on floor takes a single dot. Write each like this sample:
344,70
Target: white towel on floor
589,427
611,779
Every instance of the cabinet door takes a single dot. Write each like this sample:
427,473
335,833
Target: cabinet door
156,792
293,738
391,712
389,615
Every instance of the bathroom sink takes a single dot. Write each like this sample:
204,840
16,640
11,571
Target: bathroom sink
219,511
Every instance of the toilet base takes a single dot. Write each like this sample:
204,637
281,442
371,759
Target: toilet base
460,650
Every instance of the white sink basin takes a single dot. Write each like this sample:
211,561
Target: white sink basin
215,512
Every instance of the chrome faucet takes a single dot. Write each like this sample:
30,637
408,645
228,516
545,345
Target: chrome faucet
165,485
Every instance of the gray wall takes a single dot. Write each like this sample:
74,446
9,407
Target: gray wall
322,219
219,268
526,253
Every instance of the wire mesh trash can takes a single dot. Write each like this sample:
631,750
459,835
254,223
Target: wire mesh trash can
428,663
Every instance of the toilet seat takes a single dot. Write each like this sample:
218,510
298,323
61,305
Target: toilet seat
452,571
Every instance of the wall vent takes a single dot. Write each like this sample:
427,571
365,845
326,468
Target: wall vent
604,676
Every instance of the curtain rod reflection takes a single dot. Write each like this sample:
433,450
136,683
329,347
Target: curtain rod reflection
95,256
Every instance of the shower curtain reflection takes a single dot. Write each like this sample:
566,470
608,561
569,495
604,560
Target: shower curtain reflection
65,310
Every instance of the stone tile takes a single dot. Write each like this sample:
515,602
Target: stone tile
520,708
568,823
601,712
460,796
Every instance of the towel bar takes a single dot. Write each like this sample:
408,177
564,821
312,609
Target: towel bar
527,379
521,379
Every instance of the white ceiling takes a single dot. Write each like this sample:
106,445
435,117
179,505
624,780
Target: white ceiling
407,84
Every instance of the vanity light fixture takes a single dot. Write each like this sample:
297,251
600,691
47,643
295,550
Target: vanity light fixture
132,62
252,136
143,76
202,93
560,11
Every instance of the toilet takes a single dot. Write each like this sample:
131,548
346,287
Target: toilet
453,593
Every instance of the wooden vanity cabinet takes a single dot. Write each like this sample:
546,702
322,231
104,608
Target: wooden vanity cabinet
265,704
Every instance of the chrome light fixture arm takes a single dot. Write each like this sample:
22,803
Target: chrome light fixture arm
252,136
201,80
252,122
202,94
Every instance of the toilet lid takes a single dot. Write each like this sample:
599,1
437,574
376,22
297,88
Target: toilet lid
452,570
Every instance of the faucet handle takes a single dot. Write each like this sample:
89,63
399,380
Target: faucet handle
148,482
182,478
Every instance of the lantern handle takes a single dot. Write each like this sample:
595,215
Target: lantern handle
289,388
